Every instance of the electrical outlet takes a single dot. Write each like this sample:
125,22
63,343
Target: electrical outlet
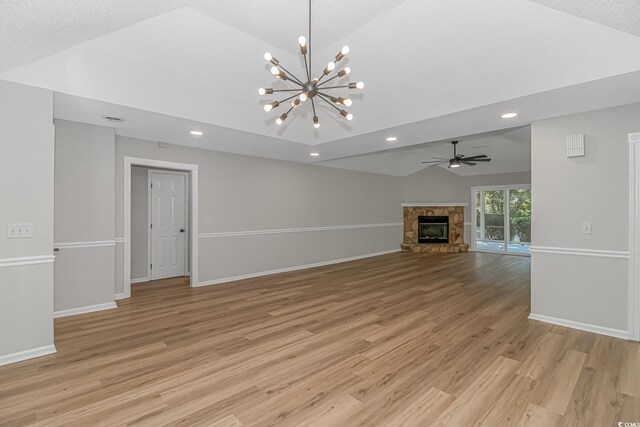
586,227
19,231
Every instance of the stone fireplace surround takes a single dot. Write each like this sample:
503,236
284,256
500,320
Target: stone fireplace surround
455,212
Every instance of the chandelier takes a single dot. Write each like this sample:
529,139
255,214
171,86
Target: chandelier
310,88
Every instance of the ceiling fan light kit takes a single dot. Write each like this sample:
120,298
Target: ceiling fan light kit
310,88
459,159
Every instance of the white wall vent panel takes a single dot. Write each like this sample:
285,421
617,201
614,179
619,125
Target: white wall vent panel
575,145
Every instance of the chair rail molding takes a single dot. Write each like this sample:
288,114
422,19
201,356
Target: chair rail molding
26,260
580,252
634,236
91,244
297,230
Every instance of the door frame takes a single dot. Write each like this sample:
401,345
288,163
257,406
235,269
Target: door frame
192,169
472,214
186,217
634,237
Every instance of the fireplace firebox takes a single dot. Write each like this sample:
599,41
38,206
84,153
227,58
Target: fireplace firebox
433,229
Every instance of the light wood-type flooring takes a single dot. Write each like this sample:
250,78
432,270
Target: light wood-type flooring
398,340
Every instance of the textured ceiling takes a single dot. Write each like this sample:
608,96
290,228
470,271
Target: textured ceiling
34,29
623,15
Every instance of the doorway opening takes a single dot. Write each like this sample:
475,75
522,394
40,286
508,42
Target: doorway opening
160,221
502,219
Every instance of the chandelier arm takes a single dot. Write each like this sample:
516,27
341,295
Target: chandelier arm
328,102
291,97
334,77
335,87
293,77
286,90
313,106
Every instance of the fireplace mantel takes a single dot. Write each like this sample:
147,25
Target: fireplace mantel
432,204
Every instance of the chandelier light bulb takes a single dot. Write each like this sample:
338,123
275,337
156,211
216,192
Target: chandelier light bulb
346,115
342,53
344,72
271,106
316,122
331,66
281,119
302,41
303,97
262,91
347,102
268,57
360,85
275,71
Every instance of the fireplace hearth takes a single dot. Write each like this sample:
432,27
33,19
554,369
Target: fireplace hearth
433,229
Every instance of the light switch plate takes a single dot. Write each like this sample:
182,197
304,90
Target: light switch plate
19,231
586,227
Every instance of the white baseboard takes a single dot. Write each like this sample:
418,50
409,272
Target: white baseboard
121,295
616,333
27,354
139,280
83,310
294,268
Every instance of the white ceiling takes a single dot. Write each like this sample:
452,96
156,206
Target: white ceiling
433,70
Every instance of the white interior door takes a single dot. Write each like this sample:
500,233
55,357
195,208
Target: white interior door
168,225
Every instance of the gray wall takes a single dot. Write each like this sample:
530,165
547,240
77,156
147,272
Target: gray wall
26,185
240,193
84,214
588,289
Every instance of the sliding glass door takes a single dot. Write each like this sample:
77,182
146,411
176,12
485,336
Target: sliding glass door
502,219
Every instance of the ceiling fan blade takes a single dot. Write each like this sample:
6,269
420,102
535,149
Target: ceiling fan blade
479,156
436,161
439,158
480,160
464,162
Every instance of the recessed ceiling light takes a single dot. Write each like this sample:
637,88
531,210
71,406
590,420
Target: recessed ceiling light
392,138
509,115
197,133
314,154
113,119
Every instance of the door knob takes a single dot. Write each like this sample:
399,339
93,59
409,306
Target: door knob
182,230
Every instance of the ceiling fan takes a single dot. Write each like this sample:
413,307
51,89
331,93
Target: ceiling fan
459,159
